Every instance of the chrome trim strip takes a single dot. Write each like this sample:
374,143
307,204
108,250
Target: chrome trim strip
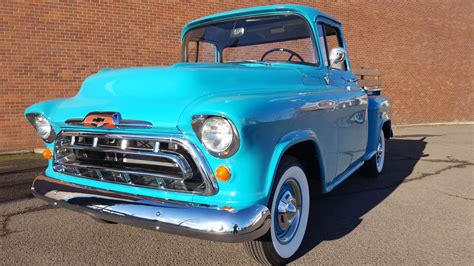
186,219
319,105
74,121
128,160
198,157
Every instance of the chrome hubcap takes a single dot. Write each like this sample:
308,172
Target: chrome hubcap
288,211
379,151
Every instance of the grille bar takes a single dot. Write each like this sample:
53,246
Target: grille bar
177,159
167,163
108,169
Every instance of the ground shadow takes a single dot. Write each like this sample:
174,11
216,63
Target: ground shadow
337,213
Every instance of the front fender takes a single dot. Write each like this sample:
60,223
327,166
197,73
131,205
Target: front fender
268,126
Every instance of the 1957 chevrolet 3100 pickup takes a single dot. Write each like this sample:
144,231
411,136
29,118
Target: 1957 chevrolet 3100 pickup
225,145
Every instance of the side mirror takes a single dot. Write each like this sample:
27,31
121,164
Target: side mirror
336,57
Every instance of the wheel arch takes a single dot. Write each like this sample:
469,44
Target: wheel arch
304,146
387,128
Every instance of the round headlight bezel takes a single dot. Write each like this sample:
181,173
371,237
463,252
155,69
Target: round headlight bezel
43,127
204,122
217,134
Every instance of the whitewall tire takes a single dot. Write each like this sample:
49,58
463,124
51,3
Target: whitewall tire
374,166
289,205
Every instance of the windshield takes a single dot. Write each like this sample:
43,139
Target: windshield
276,38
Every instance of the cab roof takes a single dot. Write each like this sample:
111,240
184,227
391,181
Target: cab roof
308,13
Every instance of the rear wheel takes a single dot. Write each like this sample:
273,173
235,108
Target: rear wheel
374,166
289,207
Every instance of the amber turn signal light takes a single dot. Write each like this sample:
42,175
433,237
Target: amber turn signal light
227,208
47,154
223,173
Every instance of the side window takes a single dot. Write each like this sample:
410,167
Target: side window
330,38
203,52
322,43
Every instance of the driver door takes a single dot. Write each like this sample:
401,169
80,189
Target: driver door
352,101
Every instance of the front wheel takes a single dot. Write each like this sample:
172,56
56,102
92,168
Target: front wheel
289,207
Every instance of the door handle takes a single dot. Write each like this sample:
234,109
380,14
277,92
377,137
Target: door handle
319,105
352,80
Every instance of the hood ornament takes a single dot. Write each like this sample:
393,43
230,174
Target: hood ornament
107,120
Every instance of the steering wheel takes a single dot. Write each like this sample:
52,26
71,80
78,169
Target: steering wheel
292,53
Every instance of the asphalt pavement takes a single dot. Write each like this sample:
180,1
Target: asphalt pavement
419,211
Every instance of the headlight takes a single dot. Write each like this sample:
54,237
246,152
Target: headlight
217,134
43,127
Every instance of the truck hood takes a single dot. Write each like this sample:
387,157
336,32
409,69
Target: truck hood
160,94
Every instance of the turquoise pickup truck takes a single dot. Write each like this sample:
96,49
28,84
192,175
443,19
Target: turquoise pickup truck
227,145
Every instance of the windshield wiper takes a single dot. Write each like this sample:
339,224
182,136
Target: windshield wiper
266,63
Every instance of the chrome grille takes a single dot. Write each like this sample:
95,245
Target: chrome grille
167,163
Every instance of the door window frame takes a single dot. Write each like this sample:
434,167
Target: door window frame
319,27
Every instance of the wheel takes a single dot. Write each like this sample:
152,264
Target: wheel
374,166
289,206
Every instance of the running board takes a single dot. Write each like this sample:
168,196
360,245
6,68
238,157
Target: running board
343,176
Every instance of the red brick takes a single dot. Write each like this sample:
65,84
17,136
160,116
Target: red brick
47,49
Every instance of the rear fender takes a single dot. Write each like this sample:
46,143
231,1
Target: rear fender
379,114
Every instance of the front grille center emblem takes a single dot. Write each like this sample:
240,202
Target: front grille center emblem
108,120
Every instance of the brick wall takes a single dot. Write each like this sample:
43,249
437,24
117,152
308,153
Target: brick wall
424,49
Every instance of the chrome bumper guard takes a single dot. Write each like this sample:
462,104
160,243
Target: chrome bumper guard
187,219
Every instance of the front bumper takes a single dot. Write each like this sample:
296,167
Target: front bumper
180,218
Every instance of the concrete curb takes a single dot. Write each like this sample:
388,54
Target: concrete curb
435,124
15,152
39,150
